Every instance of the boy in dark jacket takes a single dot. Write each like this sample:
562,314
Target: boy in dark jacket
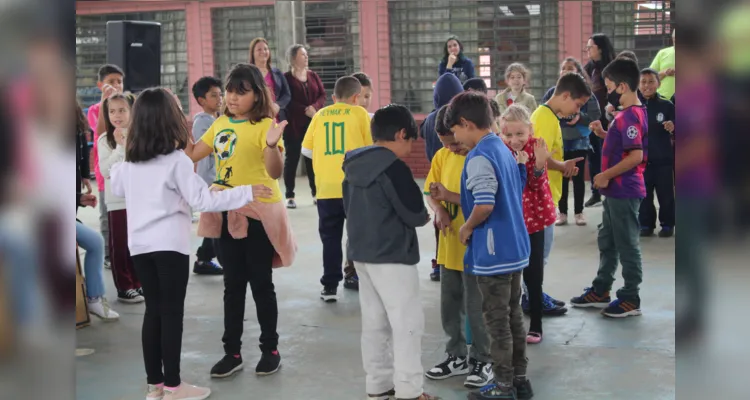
659,174
384,207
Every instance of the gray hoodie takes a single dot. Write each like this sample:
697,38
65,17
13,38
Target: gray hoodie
383,205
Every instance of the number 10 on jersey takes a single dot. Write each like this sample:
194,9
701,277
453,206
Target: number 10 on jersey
334,138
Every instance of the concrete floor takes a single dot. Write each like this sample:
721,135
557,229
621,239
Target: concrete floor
583,356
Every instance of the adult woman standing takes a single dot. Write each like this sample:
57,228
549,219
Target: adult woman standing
308,96
601,53
260,56
455,62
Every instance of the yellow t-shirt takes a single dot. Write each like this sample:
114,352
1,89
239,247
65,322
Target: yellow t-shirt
547,126
334,131
238,152
446,168
665,59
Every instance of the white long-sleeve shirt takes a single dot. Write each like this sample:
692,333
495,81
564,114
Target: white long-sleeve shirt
159,194
107,158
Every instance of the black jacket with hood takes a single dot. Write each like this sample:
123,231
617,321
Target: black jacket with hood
383,205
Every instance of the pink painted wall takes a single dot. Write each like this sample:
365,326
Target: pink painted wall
575,27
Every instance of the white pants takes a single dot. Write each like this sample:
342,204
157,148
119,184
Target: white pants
392,328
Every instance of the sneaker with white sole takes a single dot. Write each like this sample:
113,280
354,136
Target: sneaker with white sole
155,392
107,264
329,294
562,219
452,366
100,308
291,204
580,220
186,392
481,374
130,296
389,395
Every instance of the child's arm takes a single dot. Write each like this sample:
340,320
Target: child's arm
631,160
442,219
308,143
272,157
522,158
196,193
482,183
108,156
405,196
439,193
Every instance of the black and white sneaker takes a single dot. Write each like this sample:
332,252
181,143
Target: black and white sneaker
481,374
130,296
329,294
227,366
270,363
453,366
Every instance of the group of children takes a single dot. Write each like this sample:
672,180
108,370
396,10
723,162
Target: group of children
495,182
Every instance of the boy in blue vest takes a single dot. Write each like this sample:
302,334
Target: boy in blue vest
496,238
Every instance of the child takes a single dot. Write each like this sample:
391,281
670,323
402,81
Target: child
659,173
576,144
459,294
207,92
351,280
621,181
334,131
491,189
116,114
158,181
516,77
254,239
384,247
571,93
538,206
110,81
447,86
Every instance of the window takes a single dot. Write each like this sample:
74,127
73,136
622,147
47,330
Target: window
91,52
641,26
332,35
233,30
494,33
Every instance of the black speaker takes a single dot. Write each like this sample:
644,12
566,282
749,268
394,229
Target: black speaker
135,46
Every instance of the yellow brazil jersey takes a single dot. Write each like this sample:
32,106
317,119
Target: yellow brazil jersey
238,153
547,126
446,168
334,131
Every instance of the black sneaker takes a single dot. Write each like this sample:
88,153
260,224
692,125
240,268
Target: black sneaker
383,396
666,231
352,282
435,274
140,291
130,296
623,308
207,268
452,366
481,375
594,200
329,294
494,391
228,366
523,389
590,298
270,363
645,232
551,306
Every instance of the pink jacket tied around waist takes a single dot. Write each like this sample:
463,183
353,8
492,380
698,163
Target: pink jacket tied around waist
275,221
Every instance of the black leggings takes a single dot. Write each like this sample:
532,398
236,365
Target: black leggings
293,146
579,184
248,260
164,278
533,276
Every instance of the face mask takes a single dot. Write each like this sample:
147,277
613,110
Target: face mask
614,98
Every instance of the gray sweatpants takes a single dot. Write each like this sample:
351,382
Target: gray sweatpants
104,224
460,298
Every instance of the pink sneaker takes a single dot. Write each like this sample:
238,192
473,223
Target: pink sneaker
562,219
580,220
534,338
155,392
187,391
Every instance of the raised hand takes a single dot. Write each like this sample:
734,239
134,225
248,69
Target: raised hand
107,91
541,152
274,133
596,127
121,135
452,60
570,167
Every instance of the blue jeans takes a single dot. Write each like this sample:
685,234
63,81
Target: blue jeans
93,265
549,239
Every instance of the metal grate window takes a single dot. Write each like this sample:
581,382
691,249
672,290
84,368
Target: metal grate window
91,51
494,34
233,30
641,26
332,34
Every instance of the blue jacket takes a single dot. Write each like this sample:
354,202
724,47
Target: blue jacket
283,94
500,245
446,87
463,68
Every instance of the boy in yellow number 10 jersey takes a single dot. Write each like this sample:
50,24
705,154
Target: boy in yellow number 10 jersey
334,131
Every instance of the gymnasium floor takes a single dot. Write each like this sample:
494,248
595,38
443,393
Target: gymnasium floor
583,356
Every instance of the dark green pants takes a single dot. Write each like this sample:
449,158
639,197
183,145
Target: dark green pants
619,240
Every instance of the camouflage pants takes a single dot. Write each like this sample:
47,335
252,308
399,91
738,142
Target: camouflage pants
501,305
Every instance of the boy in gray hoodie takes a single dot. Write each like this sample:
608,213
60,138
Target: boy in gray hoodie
384,206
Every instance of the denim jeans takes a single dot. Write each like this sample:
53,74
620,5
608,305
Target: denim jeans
93,264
